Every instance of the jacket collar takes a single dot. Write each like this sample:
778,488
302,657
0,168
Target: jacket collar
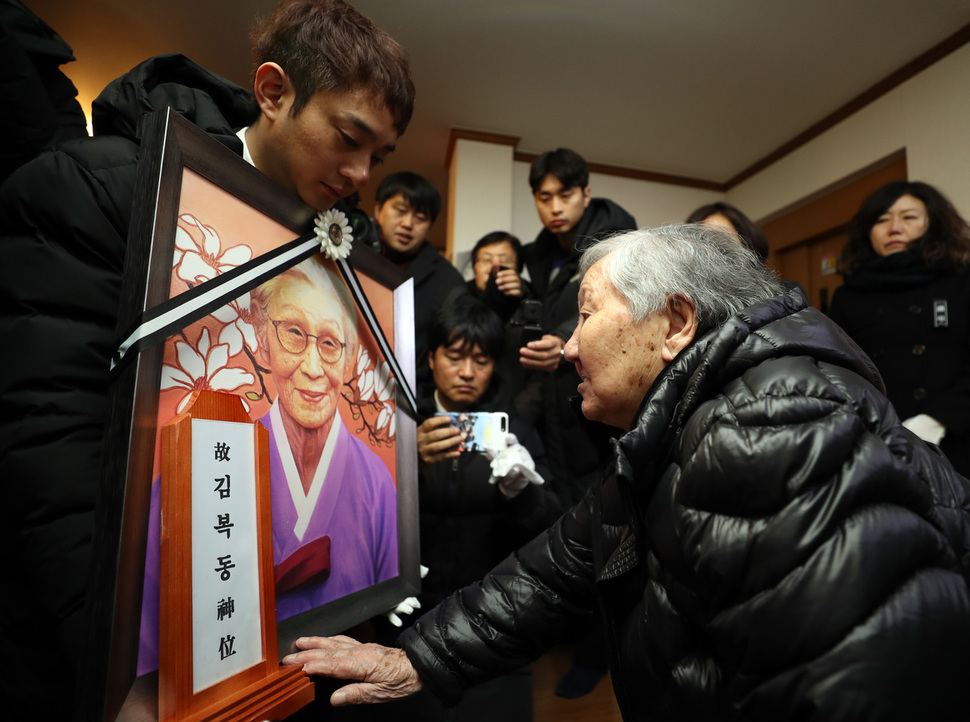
776,327
214,104
781,326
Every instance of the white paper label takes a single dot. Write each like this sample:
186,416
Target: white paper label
226,632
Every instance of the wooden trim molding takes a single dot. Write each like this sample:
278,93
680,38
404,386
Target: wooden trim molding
890,82
939,51
644,175
462,134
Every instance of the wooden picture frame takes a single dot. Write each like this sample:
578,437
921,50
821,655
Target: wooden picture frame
216,466
192,188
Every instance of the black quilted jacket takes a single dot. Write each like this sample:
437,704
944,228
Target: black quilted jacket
770,544
63,229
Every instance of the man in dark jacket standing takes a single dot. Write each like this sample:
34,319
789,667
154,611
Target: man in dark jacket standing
406,207
318,126
769,543
572,222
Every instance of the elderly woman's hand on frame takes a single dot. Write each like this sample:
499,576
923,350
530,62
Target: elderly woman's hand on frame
384,673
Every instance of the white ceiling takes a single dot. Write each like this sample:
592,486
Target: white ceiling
697,88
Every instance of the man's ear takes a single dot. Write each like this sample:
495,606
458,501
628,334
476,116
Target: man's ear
587,196
273,91
682,326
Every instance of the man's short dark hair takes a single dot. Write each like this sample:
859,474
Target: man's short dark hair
490,239
328,45
469,321
416,189
566,165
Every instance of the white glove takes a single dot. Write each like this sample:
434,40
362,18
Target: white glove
512,467
926,427
408,605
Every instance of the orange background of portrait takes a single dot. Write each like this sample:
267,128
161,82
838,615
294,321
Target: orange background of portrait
237,223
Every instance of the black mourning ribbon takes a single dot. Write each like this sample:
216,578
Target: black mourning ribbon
159,322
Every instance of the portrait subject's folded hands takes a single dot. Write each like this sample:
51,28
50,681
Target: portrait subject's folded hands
385,673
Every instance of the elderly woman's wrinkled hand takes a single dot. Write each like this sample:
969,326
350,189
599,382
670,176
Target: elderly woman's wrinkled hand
384,673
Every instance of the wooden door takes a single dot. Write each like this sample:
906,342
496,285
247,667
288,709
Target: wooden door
812,264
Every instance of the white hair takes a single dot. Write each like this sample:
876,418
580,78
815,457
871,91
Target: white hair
702,263
319,273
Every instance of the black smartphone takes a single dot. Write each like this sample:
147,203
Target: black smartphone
530,318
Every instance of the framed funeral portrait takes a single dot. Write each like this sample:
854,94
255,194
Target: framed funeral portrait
225,289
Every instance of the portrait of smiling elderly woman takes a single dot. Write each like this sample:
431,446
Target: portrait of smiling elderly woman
334,503
768,542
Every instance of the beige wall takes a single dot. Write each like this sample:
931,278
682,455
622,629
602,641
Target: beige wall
479,196
929,116
484,181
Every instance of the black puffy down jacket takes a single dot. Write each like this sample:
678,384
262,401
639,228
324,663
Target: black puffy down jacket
63,230
770,544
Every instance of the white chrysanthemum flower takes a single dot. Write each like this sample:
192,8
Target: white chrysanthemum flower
334,233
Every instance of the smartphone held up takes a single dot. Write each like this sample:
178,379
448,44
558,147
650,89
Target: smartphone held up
480,430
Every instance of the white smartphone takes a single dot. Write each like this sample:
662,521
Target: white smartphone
480,429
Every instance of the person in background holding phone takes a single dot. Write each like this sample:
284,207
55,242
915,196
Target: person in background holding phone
497,263
471,517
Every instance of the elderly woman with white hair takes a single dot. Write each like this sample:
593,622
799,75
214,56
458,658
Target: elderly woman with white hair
769,542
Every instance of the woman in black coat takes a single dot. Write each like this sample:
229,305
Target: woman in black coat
906,302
